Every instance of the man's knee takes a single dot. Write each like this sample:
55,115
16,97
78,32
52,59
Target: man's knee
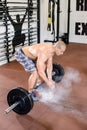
34,74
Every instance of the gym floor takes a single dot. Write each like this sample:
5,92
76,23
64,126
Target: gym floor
42,117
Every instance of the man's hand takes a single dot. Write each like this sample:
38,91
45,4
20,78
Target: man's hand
51,84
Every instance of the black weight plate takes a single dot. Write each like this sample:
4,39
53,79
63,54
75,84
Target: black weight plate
22,95
58,72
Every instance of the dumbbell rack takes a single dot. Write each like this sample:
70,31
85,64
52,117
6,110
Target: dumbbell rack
31,26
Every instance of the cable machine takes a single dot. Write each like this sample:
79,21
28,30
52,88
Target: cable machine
54,26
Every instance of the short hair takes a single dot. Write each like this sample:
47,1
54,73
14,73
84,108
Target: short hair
60,43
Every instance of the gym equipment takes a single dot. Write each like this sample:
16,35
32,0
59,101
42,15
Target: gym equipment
7,37
21,101
58,73
53,18
49,16
1,10
52,41
68,20
52,5
58,19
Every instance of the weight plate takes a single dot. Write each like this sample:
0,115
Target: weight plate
57,73
23,97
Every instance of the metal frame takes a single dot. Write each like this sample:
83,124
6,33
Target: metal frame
58,12
68,22
7,54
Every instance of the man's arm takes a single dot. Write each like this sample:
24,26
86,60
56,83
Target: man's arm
41,67
8,15
49,68
24,16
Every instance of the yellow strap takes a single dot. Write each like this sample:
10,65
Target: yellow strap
49,20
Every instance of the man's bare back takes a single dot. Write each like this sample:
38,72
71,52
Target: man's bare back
39,50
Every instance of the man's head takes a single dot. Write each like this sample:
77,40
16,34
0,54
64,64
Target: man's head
18,18
60,47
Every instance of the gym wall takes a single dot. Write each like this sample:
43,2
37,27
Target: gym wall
77,21
14,34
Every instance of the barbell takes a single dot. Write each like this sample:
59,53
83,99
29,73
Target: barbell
21,101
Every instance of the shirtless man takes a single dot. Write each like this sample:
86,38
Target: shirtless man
38,59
